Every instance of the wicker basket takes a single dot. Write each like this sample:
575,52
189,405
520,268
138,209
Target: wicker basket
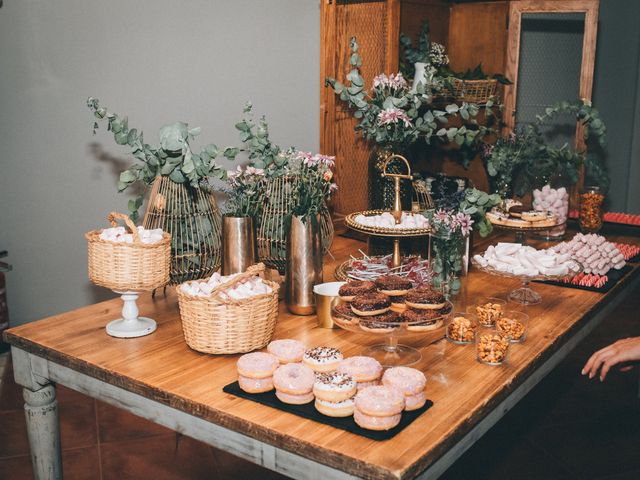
215,325
474,91
123,266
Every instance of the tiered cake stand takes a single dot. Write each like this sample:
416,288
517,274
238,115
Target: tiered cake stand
522,232
395,233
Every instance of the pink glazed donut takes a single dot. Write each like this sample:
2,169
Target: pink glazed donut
371,422
363,385
257,365
408,380
362,369
380,401
294,379
255,385
294,399
414,402
287,350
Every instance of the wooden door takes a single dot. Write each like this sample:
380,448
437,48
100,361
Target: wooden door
376,25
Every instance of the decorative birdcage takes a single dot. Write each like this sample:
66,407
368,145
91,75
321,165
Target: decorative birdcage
272,237
192,217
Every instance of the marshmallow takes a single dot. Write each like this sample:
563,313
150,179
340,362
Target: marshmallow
247,288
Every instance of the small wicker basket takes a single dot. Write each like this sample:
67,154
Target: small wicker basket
474,91
124,266
221,326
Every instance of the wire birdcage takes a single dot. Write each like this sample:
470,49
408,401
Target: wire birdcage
421,198
192,217
272,237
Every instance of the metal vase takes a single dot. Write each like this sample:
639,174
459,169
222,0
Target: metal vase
304,265
238,244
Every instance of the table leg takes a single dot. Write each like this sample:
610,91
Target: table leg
43,429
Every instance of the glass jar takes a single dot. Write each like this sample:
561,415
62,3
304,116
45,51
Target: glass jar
491,346
591,209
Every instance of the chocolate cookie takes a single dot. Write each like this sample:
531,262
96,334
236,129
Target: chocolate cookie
344,313
393,285
385,322
425,298
368,304
355,287
422,320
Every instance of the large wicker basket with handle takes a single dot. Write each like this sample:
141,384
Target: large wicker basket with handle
219,325
122,266
475,91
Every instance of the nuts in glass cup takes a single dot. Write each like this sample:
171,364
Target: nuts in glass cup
514,325
491,347
488,310
461,327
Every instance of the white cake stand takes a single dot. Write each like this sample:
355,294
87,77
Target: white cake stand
130,325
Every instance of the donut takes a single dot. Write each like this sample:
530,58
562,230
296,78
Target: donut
287,350
334,386
516,210
294,399
294,379
398,303
363,385
335,409
380,401
533,216
375,423
393,285
362,369
322,359
407,380
422,320
345,314
257,365
414,402
355,287
368,304
385,322
255,385
425,298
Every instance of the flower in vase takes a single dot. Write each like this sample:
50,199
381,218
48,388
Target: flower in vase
442,216
395,81
392,116
465,223
327,175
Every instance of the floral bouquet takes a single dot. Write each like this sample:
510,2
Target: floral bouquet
314,185
396,116
246,192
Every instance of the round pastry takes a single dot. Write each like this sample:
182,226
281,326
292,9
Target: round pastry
345,313
334,386
385,322
294,399
363,385
368,304
294,379
422,320
380,401
287,350
255,385
371,422
398,303
393,285
414,402
407,380
425,298
355,287
335,409
362,369
322,359
516,210
257,365
533,216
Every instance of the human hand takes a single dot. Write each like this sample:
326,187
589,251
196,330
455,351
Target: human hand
625,350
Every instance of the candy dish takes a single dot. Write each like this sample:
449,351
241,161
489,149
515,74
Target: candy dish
391,353
525,295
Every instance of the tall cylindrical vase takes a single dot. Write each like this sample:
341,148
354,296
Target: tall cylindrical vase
304,264
238,244
446,262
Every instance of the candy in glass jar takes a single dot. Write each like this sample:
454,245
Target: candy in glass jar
591,211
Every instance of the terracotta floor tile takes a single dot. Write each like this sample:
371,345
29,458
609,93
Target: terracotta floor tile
231,467
10,393
13,440
117,424
78,424
77,464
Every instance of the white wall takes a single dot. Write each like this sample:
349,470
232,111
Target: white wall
157,61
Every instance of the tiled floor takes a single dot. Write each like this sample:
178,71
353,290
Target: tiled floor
566,428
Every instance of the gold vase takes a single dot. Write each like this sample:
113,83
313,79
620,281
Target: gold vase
304,265
238,244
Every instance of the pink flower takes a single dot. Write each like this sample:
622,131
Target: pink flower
442,216
394,81
327,175
465,222
333,188
392,116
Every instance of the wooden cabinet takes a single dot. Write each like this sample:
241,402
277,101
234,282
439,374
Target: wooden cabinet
474,32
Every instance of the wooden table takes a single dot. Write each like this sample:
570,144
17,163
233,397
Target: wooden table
159,378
